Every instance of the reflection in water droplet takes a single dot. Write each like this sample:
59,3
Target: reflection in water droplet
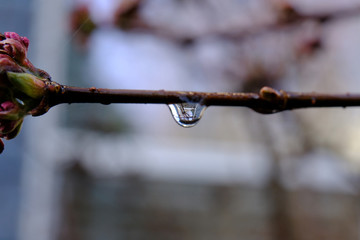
187,114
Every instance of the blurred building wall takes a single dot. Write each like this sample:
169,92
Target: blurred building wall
39,176
230,147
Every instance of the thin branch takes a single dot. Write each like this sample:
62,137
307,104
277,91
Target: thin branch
268,100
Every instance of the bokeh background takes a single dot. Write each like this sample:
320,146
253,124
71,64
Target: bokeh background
129,171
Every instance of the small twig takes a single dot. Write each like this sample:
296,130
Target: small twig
288,16
268,100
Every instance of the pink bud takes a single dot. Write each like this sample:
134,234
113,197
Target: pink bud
12,35
1,146
6,106
26,42
22,86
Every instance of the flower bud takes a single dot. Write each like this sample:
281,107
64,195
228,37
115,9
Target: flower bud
29,84
22,86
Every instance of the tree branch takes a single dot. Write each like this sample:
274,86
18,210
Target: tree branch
268,100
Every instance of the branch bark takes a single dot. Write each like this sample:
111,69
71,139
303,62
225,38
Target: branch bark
268,100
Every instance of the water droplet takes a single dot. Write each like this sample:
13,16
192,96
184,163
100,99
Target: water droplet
21,102
187,114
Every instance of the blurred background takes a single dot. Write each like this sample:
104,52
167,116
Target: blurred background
91,171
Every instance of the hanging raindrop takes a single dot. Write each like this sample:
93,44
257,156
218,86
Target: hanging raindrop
187,114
